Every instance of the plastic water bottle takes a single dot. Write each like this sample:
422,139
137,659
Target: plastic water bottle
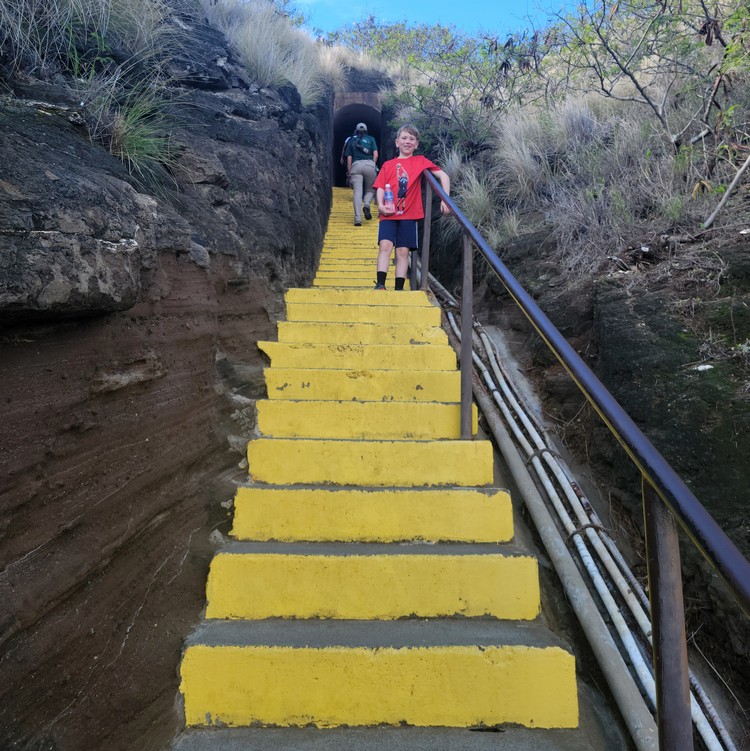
388,198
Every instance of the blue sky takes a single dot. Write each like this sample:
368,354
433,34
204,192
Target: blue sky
500,17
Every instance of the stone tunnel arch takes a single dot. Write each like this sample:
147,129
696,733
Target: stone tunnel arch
350,109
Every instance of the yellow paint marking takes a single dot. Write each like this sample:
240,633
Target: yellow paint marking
444,686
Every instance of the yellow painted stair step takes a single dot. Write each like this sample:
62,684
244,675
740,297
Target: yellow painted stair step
329,515
364,313
345,277
359,333
346,271
290,461
449,686
347,260
364,283
347,297
349,267
360,356
361,585
344,258
345,264
349,419
348,235
364,280
363,385
347,243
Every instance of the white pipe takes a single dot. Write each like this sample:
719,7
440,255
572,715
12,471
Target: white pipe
613,569
621,675
624,587
703,699
627,696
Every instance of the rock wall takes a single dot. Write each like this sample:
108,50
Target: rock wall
129,367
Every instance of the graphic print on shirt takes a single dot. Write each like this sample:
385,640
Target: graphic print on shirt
402,177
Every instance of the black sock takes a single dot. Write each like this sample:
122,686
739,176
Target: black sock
400,282
381,277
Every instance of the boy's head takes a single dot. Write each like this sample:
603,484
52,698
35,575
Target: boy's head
407,140
408,129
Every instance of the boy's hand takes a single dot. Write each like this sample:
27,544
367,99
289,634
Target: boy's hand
387,210
445,209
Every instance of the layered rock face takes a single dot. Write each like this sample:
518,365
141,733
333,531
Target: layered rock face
129,369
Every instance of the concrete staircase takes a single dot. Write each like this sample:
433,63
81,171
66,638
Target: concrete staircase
372,583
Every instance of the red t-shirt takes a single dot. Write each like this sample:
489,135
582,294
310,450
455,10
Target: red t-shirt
405,179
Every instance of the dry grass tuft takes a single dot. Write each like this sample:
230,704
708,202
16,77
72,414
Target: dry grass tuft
45,35
273,50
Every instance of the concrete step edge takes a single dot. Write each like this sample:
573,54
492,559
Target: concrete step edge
379,738
347,549
343,489
375,634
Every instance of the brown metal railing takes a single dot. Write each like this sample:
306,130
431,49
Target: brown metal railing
667,501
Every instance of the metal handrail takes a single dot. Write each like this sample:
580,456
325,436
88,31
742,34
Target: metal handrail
666,498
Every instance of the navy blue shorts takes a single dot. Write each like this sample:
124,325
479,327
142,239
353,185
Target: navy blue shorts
401,232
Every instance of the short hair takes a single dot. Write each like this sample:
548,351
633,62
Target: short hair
409,128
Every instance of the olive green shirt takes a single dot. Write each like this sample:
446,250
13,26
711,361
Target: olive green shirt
361,147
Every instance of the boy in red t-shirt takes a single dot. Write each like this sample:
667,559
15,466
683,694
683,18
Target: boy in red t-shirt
398,226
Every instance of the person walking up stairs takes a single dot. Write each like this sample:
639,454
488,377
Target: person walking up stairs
372,582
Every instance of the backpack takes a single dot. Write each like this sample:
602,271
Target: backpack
366,150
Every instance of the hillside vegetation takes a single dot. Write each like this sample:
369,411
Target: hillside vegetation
661,87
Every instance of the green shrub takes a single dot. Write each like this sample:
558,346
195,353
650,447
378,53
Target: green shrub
133,121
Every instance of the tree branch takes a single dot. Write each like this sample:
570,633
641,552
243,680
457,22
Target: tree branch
726,195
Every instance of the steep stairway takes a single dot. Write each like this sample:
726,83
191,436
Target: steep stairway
372,584
348,255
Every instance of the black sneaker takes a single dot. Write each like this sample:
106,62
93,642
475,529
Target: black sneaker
366,212
357,224
379,286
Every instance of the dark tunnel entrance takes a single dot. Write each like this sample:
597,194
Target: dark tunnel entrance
344,122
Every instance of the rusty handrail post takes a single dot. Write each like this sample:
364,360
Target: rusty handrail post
425,265
668,623
467,316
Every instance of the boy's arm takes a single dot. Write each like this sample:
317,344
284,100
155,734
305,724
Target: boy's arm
445,184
